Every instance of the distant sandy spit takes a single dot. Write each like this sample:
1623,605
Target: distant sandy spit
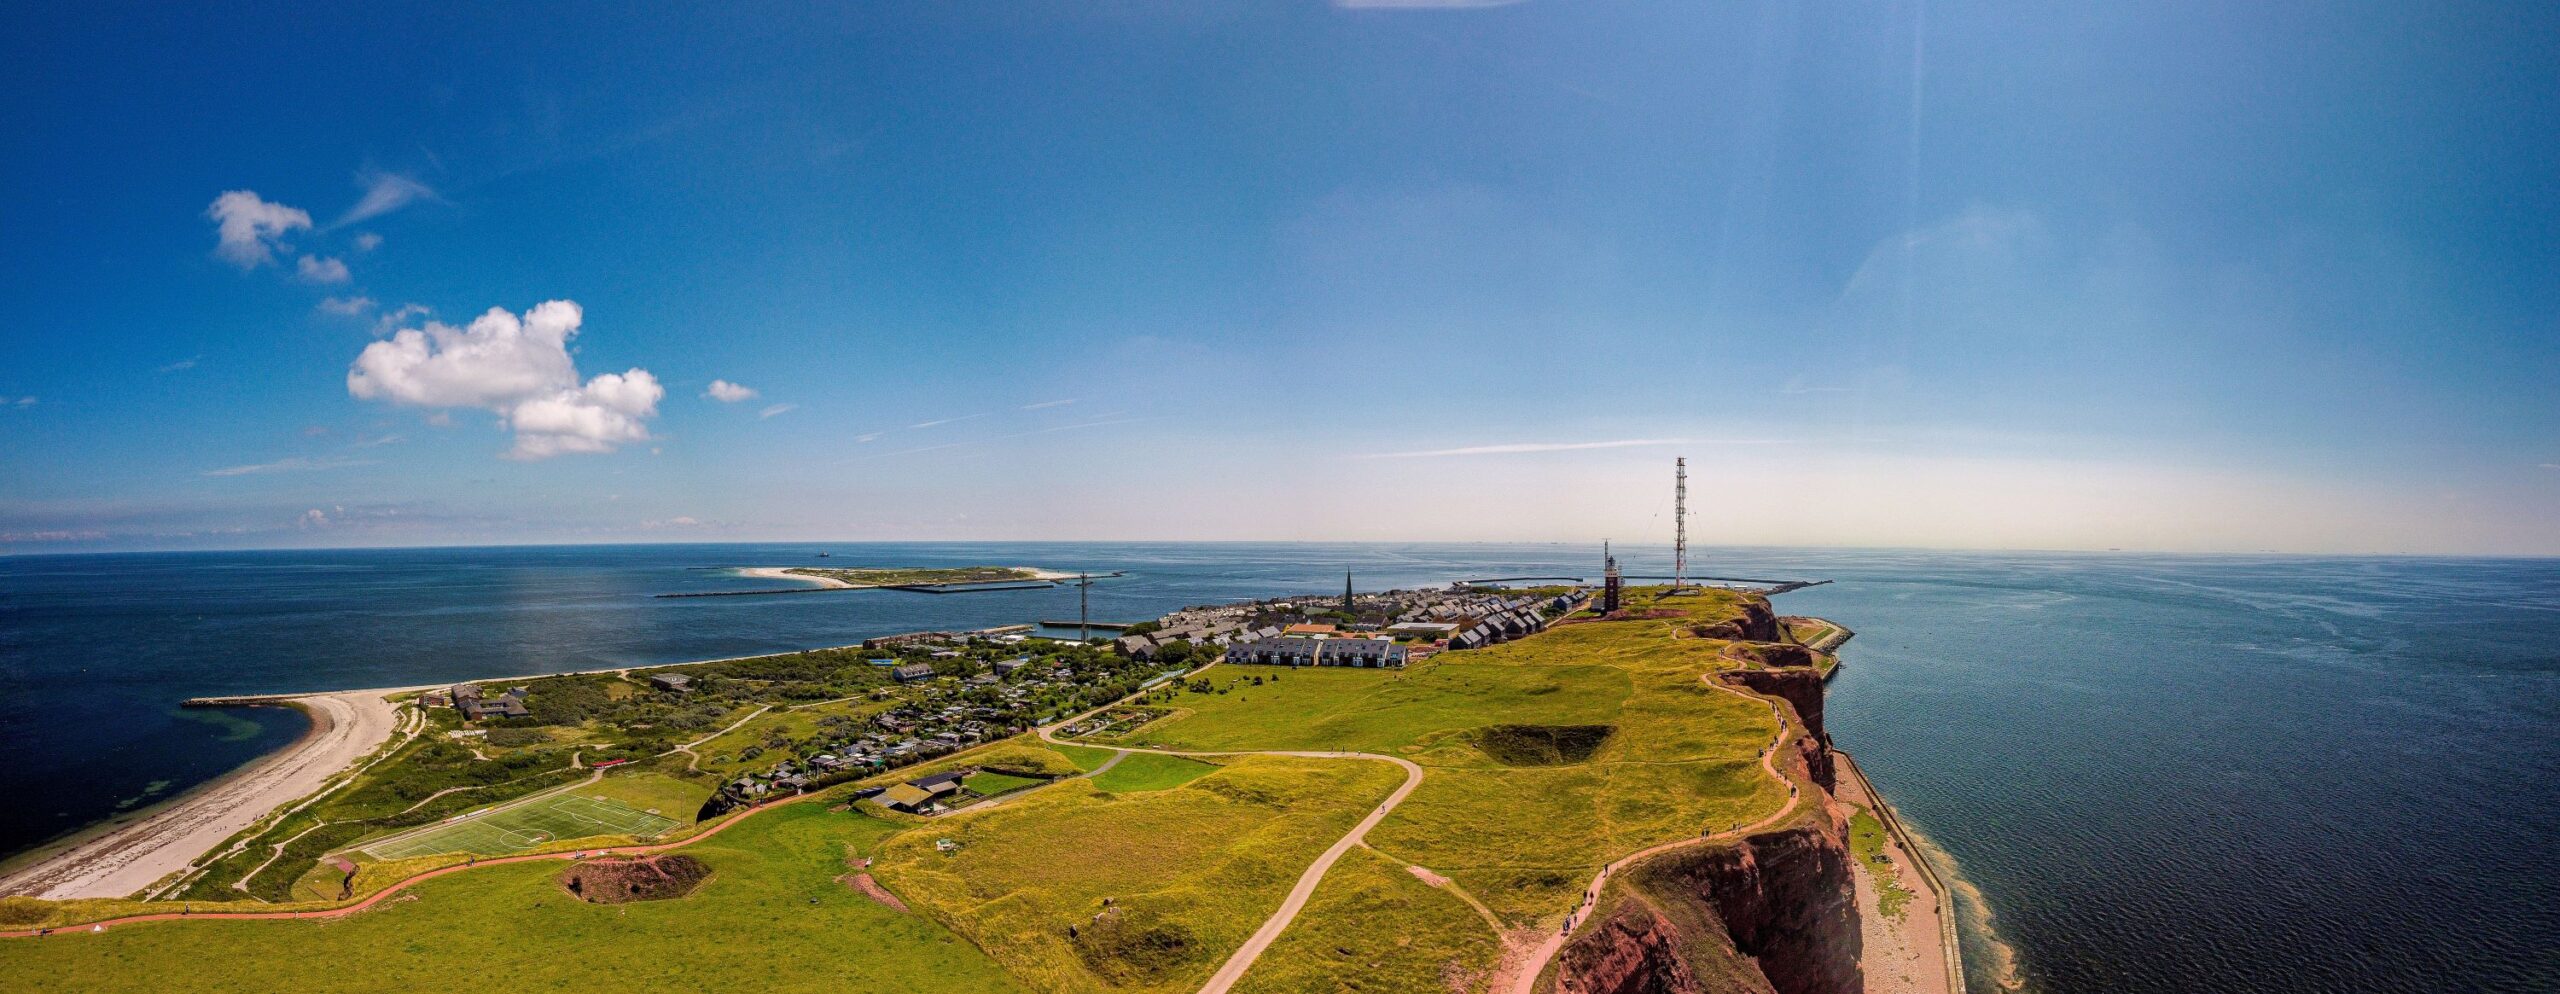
784,573
345,726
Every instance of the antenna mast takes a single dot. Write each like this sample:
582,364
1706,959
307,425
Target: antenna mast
1680,525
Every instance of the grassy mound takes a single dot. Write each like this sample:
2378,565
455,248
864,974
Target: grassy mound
1132,946
621,881
1542,745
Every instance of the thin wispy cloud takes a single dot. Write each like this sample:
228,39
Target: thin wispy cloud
1019,434
869,436
1518,448
2551,465
777,409
383,193
944,421
322,269
346,307
296,464
1045,405
186,363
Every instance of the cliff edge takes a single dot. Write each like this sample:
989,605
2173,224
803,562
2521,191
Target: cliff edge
1774,912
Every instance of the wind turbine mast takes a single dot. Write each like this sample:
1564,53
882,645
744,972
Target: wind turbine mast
1680,524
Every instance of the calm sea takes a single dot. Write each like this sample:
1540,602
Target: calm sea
2163,774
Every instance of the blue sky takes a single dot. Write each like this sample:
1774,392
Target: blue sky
2188,277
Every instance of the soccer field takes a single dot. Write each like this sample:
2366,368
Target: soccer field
516,829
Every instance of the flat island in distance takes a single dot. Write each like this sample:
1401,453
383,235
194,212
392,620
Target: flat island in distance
892,576
1474,789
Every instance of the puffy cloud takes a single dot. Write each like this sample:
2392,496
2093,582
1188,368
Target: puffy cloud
729,393
519,368
398,316
322,269
384,193
248,229
346,307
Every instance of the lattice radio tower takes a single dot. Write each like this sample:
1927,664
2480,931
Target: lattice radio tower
1680,525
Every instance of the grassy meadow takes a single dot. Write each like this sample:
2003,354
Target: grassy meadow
1188,872
1145,771
1680,759
771,918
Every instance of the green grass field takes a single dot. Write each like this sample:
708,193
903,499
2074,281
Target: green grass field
527,826
1086,758
1372,926
1682,758
1144,771
772,918
991,784
1190,871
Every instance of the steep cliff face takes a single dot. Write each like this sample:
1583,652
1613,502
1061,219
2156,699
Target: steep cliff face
1800,688
1759,623
1771,914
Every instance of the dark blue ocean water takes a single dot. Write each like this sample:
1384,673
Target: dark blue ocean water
2162,774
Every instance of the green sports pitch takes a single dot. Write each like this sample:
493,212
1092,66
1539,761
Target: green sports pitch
525,826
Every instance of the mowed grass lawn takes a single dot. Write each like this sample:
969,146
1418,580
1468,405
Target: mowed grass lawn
527,826
1145,771
771,918
1190,871
654,793
1683,760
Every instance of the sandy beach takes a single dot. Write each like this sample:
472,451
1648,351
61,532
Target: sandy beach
344,727
1904,954
784,573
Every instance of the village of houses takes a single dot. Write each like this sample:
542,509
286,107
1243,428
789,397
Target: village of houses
949,691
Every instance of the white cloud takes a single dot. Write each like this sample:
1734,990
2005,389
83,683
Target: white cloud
312,520
729,393
777,409
2548,465
322,269
1048,404
248,229
182,364
383,193
944,421
26,401
398,316
518,368
368,241
292,465
1515,448
346,307
869,436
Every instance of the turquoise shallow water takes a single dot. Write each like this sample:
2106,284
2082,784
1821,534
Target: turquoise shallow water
2162,773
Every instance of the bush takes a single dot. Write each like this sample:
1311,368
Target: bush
508,738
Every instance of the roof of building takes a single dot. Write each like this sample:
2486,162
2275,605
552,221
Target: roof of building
905,795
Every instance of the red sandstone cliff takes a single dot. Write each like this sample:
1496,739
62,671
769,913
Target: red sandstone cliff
1773,913
1770,913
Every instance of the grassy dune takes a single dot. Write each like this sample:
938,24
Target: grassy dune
1189,871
